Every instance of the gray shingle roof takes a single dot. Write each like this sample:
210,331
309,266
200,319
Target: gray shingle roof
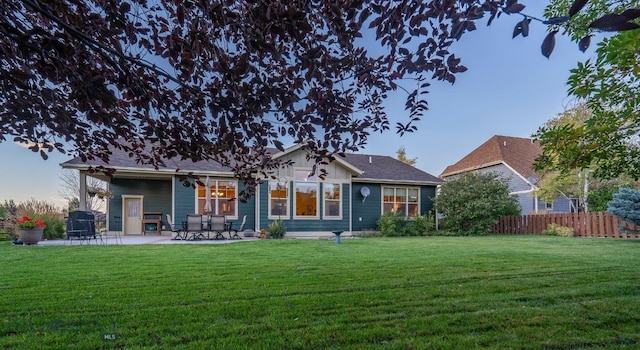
121,160
374,167
380,168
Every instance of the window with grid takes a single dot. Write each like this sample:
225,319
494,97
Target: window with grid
402,200
332,200
306,194
223,198
278,199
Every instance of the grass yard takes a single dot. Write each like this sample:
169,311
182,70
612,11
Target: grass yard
496,292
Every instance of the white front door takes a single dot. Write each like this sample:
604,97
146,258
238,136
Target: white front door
132,207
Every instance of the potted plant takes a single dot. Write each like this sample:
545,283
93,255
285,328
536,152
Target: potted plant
30,230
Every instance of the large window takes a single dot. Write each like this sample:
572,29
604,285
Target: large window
402,200
223,196
306,194
278,199
331,200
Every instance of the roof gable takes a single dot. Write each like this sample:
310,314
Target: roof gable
295,148
516,152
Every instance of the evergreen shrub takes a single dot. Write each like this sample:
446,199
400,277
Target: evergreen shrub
626,206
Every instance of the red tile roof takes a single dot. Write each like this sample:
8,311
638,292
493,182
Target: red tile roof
517,152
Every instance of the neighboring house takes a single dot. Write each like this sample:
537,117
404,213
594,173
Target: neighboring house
512,158
357,191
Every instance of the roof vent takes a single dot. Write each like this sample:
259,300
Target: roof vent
505,143
369,159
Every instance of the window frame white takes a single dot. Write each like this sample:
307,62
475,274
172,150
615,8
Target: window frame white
298,179
286,198
407,201
325,200
216,200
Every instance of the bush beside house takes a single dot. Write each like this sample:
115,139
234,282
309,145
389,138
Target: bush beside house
472,203
393,224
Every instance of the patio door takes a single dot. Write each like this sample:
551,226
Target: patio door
132,215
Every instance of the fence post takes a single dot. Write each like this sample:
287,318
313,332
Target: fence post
603,232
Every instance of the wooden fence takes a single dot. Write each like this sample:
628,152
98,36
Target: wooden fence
598,224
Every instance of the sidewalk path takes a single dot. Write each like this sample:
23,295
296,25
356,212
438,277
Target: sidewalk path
133,240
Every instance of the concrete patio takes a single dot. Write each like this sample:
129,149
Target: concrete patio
134,240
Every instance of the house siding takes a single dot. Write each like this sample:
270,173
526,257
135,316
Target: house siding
427,194
527,203
334,170
516,183
185,202
561,205
156,193
306,225
367,213
247,208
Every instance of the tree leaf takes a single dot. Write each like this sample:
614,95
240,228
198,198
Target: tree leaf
584,43
180,14
613,23
515,8
524,24
577,6
548,44
556,20
631,14
517,30
458,29
279,145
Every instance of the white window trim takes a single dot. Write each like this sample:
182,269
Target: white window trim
324,202
287,203
215,200
407,188
293,209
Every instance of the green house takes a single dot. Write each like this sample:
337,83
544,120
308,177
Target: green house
357,190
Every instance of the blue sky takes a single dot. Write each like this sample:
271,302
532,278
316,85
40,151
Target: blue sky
510,89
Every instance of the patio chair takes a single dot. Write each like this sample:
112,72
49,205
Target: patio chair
175,232
193,227
235,231
218,225
205,223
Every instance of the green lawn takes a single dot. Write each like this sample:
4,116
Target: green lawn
496,292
